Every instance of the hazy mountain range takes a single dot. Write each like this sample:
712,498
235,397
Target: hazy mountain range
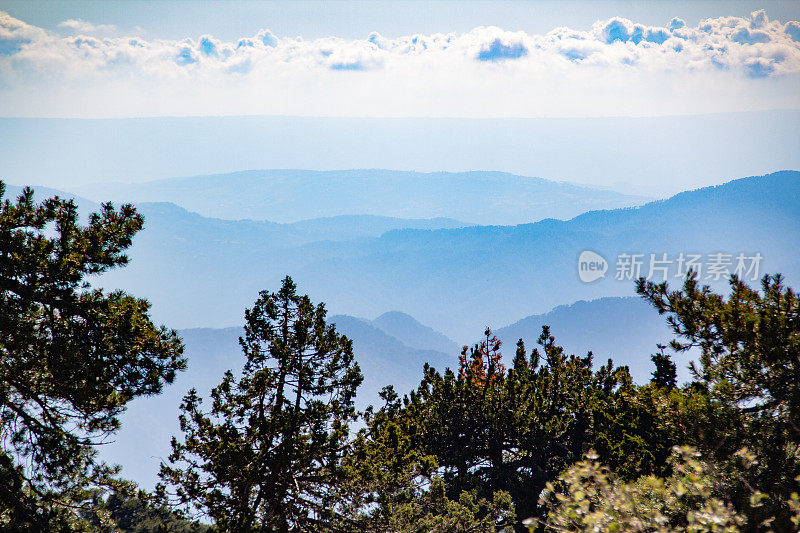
337,228
203,272
292,195
433,284
412,333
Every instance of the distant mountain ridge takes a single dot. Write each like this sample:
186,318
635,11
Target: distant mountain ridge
482,197
334,229
626,330
338,228
203,272
385,359
416,335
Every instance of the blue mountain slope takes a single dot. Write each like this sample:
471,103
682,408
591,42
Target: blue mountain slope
627,330
412,333
468,278
291,195
385,360
204,272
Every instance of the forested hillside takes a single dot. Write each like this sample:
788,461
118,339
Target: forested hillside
273,436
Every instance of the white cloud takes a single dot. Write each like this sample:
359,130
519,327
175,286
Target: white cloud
484,71
15,33
79,26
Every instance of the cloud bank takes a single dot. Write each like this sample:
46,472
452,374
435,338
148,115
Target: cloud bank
616,66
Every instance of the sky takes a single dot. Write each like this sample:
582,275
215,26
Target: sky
397,59
652,156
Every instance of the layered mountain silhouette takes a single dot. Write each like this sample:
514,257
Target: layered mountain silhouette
291,195
337,228
412,333
199,271
627,330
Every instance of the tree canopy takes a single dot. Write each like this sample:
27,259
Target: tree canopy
71,356
268,453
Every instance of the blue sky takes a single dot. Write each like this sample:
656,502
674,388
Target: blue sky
230,20
397,59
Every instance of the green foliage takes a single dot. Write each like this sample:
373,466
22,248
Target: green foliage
491,431
138,513
746,389
433,511
486,430
665,374
71,357
385,469
590,498
268,454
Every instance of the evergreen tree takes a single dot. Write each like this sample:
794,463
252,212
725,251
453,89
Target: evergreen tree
746,388
71,357
665,375
492,431
482,363
138,513
268,454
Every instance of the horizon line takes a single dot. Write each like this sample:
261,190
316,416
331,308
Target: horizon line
411,117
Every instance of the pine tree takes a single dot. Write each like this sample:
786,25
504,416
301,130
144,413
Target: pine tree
493,431
71,357
482,364
665,375
746,389
268,454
